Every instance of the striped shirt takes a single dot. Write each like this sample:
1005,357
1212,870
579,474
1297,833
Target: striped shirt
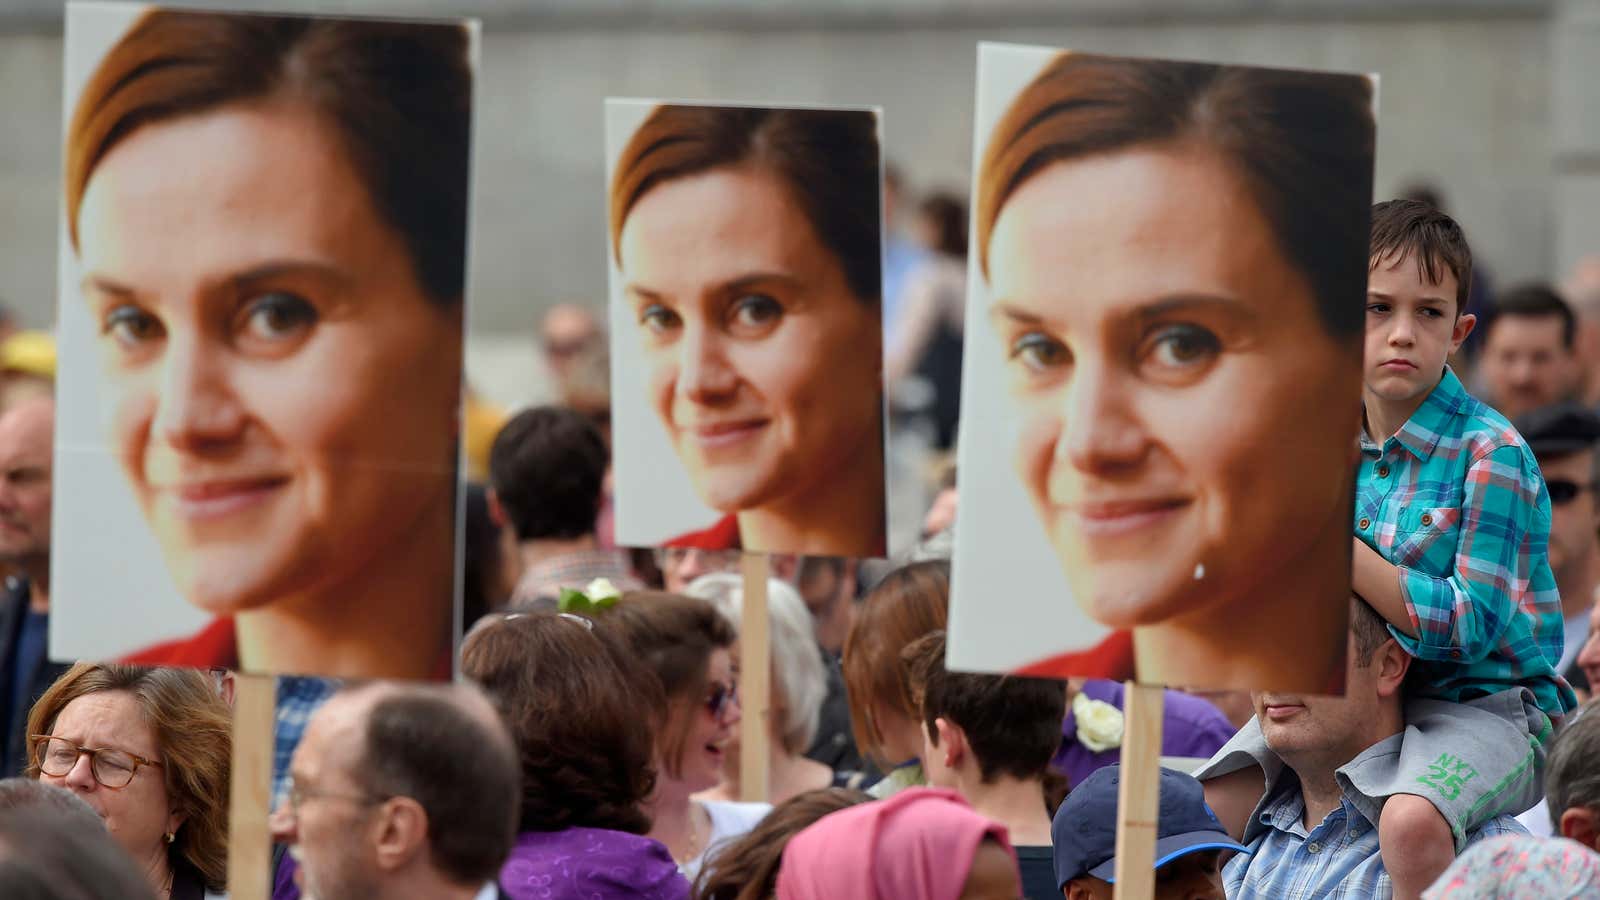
1456,501
1337,860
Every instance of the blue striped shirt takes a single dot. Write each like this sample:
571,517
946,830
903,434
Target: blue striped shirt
1337,860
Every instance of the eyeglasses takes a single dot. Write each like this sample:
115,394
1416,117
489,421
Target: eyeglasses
723,695
112,768
299,794
1564,491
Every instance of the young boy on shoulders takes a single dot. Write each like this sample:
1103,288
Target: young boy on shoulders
1452,523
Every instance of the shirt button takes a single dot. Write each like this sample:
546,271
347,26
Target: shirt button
1427,519
1383,471
1314,847
1363,524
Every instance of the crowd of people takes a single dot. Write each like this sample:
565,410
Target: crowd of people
597,753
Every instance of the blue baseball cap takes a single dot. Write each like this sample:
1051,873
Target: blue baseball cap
1084,831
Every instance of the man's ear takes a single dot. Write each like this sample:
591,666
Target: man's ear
952,742
402,833
1582,826
1463,327
1392,663
497,513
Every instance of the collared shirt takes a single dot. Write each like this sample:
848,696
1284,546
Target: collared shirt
546,578
1456,501
1337,860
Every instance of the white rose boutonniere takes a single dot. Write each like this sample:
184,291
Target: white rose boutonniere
1099,723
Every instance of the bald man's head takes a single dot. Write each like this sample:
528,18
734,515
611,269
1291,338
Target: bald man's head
443,749
26,441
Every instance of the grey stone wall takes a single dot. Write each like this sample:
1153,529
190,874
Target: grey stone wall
1467,96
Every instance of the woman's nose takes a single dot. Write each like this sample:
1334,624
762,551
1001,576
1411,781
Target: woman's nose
1100,428
81,775
704,374
197,406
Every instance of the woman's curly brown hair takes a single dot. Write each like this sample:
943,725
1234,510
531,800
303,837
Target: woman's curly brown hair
583,715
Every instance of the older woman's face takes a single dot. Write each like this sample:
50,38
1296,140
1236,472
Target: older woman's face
282,394
764,365
140,814
1183,405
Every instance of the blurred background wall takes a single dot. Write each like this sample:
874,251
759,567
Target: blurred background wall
1492,101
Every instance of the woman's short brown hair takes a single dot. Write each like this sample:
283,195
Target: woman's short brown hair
674,636
583,716
908,603
1301,141
398,95
193,728
828,158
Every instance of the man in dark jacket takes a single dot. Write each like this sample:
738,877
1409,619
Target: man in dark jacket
25,669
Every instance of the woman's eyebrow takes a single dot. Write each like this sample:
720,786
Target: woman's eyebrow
100,284
279,268
745,282
1232,307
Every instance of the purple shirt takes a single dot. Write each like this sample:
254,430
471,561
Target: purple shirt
591,864
1190,726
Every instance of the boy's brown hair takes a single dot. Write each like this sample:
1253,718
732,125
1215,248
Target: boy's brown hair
1432,240
1012,723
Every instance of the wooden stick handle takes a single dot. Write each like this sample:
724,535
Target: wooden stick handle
249,836
755,681
1138,793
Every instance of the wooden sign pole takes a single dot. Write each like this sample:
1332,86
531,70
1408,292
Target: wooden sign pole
1138,792
249,836
755,681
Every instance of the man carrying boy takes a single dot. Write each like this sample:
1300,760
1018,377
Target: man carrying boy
1452,522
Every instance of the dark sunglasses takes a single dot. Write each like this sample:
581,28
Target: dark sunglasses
723,694
1564,491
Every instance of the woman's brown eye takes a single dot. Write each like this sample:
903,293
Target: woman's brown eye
131,326
658,319
278,315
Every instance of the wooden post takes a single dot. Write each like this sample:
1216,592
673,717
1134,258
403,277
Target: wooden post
1138,792
755,681
249,837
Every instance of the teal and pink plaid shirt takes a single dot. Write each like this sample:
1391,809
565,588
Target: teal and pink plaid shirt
1456,501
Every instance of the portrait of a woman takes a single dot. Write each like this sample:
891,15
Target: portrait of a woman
268,216
746,249
1174,257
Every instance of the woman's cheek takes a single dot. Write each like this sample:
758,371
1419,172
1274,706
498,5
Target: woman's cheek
663,384
1036,450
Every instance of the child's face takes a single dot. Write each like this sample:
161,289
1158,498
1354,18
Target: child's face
1412,327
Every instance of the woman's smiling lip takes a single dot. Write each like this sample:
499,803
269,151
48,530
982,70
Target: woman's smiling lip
215,498
1120,517
716,435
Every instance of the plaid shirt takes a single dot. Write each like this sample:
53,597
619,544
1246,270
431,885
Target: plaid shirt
1456,501
1337,860
298,698
575,569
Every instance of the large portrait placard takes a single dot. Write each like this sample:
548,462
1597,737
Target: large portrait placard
261,310
1162,385
747,349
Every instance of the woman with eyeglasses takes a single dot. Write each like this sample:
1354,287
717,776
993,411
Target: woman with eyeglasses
690,647
149,751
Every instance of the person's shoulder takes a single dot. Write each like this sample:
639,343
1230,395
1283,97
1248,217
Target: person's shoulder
724,535
1484,429
736,815
1498,826
213,646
